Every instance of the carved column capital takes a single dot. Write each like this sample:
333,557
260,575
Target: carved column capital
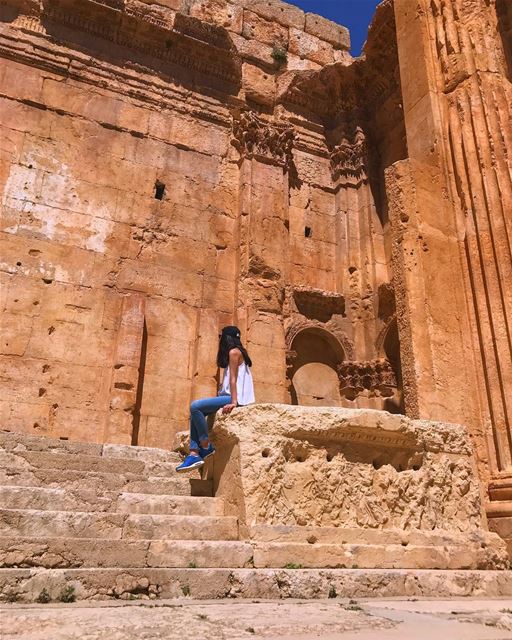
269,141
350,157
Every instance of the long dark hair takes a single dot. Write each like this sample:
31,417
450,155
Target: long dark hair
230,339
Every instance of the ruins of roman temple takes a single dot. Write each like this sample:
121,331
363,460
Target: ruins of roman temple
169,167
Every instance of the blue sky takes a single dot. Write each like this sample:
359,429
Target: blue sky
354,14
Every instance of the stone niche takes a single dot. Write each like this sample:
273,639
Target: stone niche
315,347
352,488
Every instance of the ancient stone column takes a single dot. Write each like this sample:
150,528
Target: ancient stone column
478,94
361,263
265,149
462,97
437,352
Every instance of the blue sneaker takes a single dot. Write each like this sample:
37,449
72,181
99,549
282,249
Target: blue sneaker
206,453
190,463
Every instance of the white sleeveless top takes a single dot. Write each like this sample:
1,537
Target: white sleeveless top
244,385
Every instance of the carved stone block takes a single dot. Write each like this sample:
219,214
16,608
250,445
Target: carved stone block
258,138
375,376
297,472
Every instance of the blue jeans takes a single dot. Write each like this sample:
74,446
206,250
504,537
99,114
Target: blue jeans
199,409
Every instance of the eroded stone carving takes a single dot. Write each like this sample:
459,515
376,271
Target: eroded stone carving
375,376
350,157
369,471
318,304
153,30
271,141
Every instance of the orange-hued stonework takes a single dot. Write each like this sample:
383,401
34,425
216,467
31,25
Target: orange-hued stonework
168,167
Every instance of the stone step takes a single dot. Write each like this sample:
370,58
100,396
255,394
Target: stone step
26,585
101,482
172,505
55,499
115,526
39,460
85,552
467,555
19,442
344,535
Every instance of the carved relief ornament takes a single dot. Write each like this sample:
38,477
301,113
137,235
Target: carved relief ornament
350,158
268,141
375,376
157,32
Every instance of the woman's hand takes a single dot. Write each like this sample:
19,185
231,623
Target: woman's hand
228,408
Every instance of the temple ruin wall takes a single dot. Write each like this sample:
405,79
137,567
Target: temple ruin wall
170,167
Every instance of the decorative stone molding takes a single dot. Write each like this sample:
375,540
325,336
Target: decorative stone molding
318,304
350,158
298,323
267,141
375,376
327,92
113,4
365,85
155,31
70,63
203,31
143,14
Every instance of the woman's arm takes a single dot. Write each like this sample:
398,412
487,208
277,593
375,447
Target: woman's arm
234,363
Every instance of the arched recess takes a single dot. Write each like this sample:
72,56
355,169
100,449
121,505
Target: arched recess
504,13
313,359
389,347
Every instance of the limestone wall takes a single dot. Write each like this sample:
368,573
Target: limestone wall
149,199
122,194
88,249
170,167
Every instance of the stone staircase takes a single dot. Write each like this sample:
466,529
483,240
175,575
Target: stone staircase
107,521
76,506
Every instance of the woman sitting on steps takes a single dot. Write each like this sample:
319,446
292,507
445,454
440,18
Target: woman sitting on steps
236,390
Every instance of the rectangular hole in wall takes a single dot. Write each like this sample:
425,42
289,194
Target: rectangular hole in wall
159,190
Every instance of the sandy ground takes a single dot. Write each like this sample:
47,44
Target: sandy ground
282,620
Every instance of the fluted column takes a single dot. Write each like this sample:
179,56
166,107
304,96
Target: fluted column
478,95
429,264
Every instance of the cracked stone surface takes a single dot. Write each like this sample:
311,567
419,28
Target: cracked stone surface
296,619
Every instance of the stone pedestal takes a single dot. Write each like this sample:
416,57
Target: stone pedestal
328,487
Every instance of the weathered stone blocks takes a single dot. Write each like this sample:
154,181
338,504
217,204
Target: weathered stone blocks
109,529
208,159
354,469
